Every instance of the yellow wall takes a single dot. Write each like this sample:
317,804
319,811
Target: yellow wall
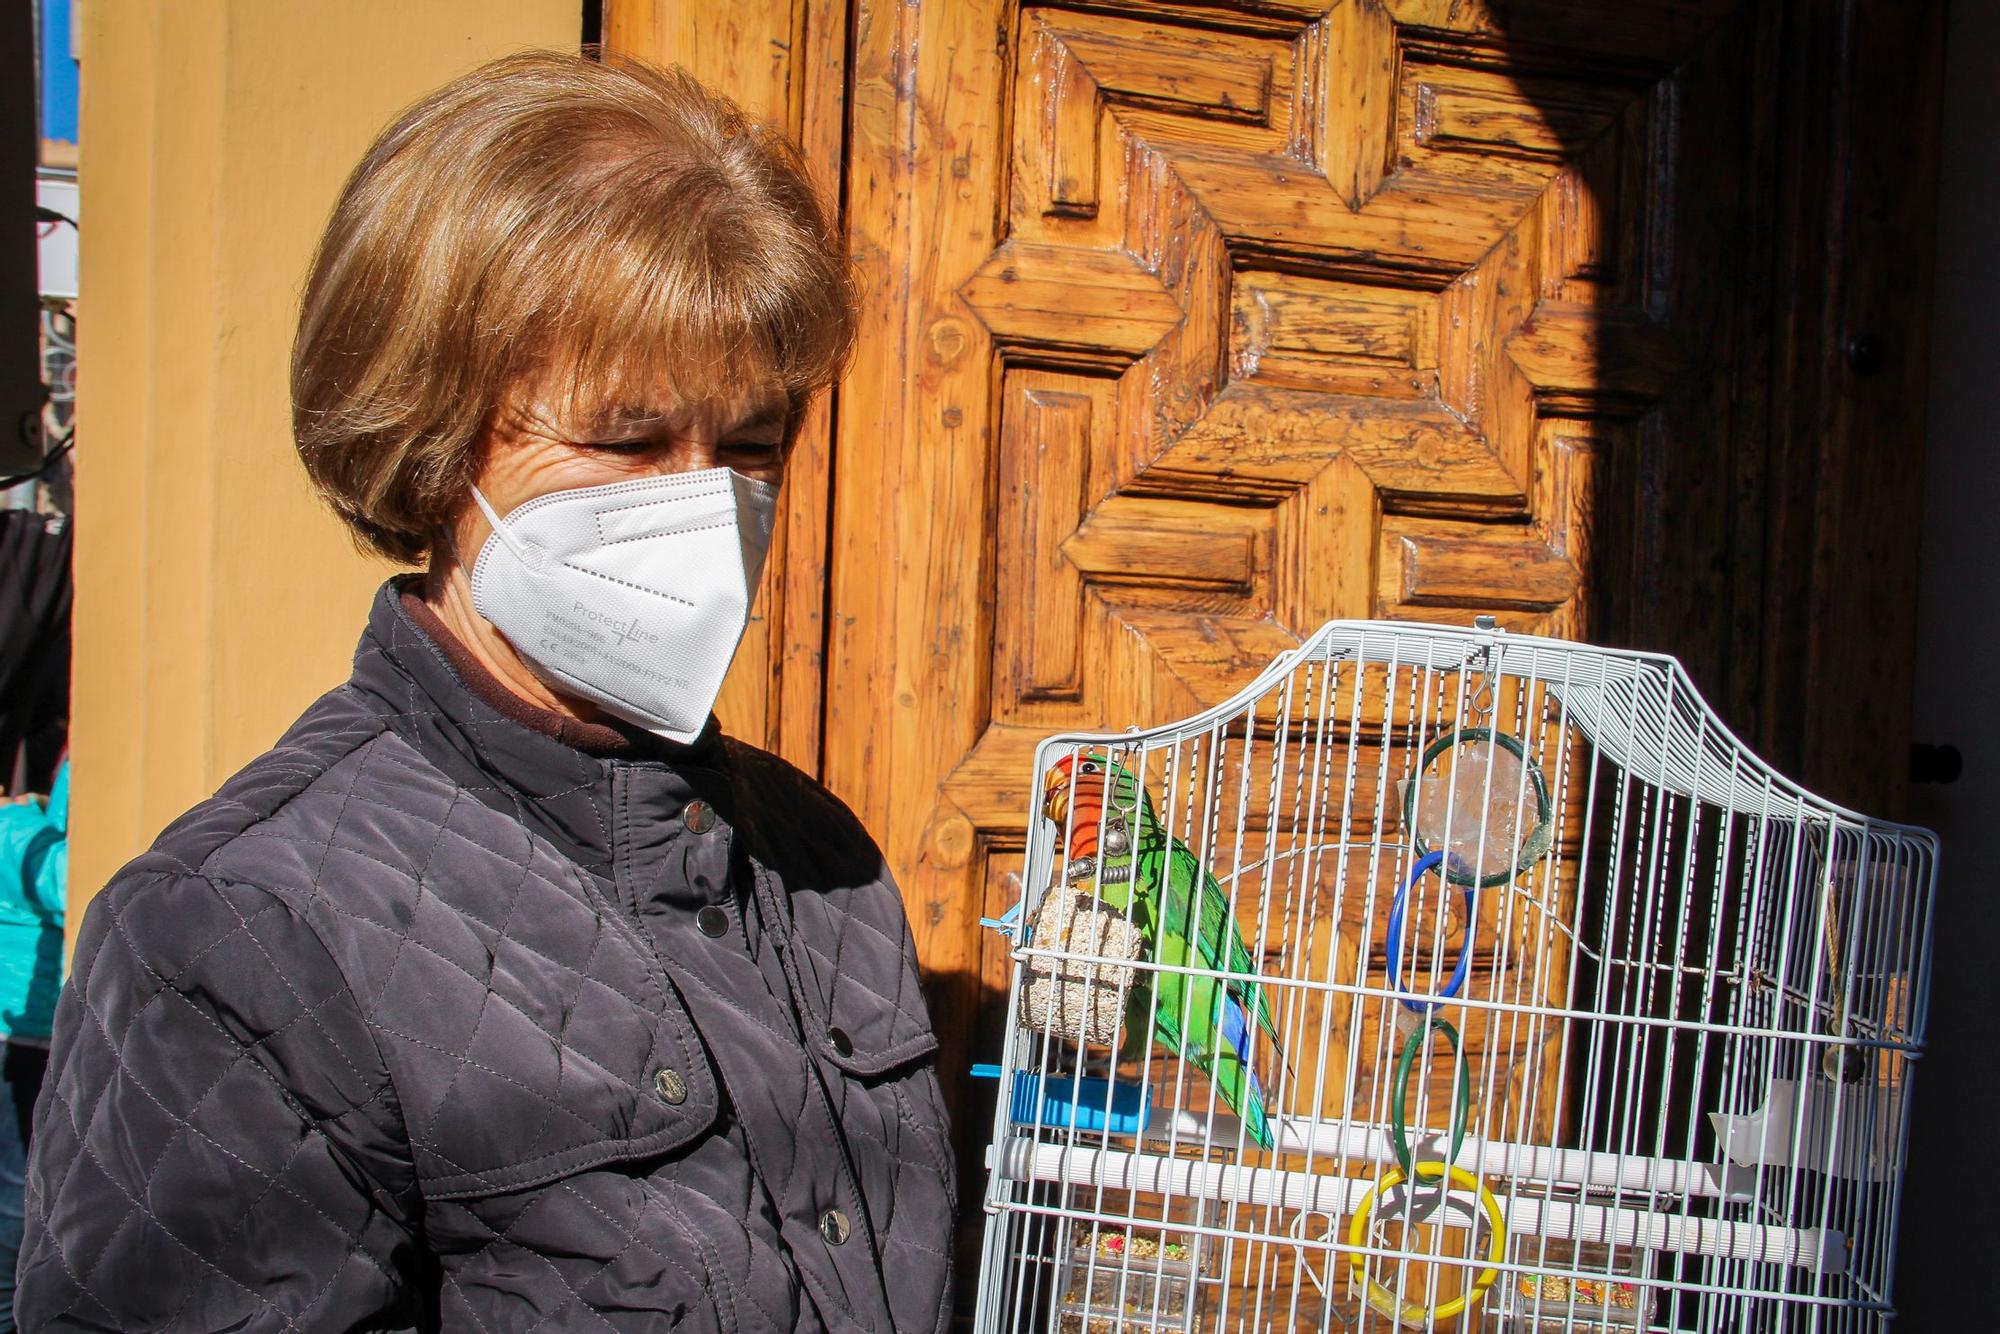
215,598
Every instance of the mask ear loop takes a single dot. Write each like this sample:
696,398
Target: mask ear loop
499,530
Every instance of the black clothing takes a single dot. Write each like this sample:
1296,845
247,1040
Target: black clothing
430,1019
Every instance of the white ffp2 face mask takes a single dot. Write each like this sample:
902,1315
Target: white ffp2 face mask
633,595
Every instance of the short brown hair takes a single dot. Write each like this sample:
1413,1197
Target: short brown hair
548,214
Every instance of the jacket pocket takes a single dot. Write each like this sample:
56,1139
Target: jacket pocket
863,1007
499,1095
601,1245
862,1058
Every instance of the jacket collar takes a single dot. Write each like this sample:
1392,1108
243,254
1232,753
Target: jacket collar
560,777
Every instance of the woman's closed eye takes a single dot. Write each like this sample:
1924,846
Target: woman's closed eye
750,455
742,455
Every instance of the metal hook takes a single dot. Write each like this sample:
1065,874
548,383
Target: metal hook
1482,697
1480,660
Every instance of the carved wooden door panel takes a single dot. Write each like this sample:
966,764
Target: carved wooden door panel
1197,325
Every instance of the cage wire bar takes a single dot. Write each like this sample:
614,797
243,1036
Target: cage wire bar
1525,997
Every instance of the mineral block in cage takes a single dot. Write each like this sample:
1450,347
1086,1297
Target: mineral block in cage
1130,1280
1080,999
1584,1287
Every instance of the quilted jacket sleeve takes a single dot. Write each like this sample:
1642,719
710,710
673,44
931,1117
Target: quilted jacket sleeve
217,1145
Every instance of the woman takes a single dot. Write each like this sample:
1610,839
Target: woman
503,993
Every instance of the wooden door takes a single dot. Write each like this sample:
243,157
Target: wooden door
1191,324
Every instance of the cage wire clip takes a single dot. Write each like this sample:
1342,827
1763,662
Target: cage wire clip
1480,660
1007,923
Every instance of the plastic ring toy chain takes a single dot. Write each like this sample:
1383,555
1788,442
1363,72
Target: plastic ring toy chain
1398,910
1532,848
1385,1301
1461,1112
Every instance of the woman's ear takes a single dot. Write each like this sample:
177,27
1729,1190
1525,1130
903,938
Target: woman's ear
464,530
455,544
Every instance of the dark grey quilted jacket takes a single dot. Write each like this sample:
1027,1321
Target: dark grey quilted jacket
433,1020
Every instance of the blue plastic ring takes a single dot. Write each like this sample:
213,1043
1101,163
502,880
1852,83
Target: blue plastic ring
1430,861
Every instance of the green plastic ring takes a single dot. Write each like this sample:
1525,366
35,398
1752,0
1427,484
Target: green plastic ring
1533,848
1399,1116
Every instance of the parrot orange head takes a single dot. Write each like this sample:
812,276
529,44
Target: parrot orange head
1093,796
1060,782
1075,783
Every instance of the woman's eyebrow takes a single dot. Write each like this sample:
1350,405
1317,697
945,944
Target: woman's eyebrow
773,414
632,416
620,415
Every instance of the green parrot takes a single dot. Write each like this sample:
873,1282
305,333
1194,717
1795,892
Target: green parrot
1118,846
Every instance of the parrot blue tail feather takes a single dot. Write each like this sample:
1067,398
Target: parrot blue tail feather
1234,1029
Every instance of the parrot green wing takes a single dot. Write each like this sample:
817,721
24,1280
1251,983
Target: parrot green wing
1190,1017
1216,925
1169,869
1196,1015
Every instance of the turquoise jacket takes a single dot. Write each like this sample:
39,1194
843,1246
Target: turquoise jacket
34,866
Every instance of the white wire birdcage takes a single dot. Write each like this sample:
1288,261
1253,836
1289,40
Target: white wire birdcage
1527,998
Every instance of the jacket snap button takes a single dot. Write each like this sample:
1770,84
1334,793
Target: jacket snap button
698,816
843,1045
833,1225
670,1086
712,921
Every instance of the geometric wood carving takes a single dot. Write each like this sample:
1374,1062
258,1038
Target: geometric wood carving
1324,315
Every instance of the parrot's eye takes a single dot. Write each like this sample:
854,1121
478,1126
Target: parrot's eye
1090,767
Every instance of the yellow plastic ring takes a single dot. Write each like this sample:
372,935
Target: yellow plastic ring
1386,1301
